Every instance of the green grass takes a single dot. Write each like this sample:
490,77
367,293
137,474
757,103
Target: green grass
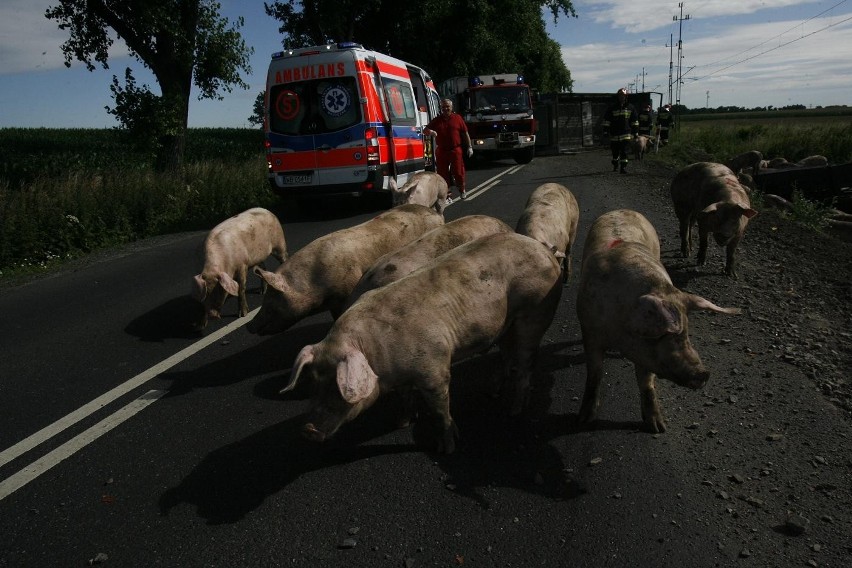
787,134
96,190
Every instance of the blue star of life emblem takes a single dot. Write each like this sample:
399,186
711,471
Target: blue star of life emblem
336,100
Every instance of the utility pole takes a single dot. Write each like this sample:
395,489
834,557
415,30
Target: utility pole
707,104
670,46
679,47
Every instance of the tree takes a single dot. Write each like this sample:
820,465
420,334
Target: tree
445,37
256,117
182,42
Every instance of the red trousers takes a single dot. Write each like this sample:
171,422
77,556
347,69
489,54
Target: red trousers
450,164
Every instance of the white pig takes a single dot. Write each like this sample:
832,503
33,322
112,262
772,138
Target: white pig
640,145
231,248
424,188
711,195
627,302
550,217
501,288
321,275
394,265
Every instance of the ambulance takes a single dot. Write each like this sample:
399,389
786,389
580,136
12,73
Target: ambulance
341,119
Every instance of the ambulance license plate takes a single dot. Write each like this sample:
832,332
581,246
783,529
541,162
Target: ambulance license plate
300,179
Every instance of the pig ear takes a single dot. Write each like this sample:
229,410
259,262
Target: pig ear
748,211
355,378
712,208
305,357
654,317
694,302
199,288
229,284
272,278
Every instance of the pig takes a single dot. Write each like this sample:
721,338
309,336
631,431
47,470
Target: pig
230,249
748,162
502,288
322,274
424,188
813,161
551,216
640,145
710,195
627,302
394,265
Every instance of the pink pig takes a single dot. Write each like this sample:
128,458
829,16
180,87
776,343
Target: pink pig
502,288
627,302
231,248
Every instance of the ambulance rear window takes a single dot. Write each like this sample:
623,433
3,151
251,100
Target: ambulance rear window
314,107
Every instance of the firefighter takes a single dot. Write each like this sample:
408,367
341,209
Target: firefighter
621,124
665,120
645,121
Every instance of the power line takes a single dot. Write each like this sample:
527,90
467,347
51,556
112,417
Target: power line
774,37
772,49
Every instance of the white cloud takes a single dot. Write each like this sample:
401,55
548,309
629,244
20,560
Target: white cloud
744,64
633,16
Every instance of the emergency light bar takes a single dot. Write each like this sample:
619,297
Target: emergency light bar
318,49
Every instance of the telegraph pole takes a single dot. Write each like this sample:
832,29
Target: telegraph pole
679,47
670,46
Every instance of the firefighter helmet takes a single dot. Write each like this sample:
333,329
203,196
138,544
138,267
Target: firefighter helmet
621,91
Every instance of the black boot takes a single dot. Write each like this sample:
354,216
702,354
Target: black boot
624,168
614,165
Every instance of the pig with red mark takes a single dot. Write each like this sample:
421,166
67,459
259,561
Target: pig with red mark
322,274
551,216
502,288
418,253
233,247
711,196
627,302
424,188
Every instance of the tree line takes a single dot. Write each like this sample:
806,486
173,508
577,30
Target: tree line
188,43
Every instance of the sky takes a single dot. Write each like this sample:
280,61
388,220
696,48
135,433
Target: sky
745,53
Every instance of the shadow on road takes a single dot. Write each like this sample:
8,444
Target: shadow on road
493,449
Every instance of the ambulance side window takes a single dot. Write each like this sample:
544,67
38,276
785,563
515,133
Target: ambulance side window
401,103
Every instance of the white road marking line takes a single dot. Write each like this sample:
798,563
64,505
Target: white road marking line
480,189
69,448
88,409
487,184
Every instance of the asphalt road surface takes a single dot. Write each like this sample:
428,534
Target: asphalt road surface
126,439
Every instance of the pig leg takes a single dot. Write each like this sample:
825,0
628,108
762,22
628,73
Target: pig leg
437,400
652,415
685,236
242,272
594,374
519,350
730,266
703,235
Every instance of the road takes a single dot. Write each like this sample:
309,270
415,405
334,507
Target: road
128,440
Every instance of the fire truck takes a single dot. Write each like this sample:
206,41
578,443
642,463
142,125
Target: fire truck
498,112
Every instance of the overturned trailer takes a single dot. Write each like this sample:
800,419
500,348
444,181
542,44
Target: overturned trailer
574,121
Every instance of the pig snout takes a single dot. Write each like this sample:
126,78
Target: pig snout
692,377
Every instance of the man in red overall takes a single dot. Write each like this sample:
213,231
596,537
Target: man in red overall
451,133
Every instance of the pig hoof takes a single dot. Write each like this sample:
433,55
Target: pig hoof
655,425
310,432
